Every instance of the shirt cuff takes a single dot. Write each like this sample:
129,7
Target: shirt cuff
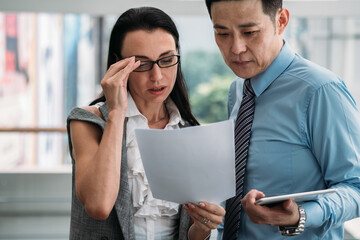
314,214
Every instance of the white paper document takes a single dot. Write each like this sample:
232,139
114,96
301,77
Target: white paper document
190,164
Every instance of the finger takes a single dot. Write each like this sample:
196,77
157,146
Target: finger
290,206
251,197
203,213
118,66
255,194
136,65
194,216
203,222
132,65
124,73
287,204
212,208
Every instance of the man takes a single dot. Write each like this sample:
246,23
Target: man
305,133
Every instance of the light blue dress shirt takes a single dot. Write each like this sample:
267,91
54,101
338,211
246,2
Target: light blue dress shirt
305,136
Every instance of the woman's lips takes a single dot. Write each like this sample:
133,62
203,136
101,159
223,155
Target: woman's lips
157,90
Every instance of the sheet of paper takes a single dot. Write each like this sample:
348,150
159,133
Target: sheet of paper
190,164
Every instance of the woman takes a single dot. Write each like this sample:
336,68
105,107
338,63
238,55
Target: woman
142,88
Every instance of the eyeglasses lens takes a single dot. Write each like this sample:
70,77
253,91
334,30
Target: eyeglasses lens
162,63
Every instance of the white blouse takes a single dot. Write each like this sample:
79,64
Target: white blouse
154,218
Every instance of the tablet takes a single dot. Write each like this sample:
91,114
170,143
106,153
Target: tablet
297,197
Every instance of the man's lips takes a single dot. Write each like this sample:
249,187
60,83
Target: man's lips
241,63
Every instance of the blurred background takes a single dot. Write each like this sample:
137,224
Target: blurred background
53,56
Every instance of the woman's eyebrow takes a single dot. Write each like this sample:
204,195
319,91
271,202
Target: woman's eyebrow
161,55
166,53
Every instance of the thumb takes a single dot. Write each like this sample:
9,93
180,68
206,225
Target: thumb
289,205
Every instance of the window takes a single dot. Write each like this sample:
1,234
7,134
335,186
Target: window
52,62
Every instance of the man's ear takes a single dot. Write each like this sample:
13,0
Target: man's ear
282,20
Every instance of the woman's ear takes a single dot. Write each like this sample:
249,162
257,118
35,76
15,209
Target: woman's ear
282,20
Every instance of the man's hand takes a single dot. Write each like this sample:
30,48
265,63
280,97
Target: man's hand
282,214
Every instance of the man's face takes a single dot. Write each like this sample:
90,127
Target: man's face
248,39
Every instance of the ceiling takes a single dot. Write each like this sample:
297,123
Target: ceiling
173,7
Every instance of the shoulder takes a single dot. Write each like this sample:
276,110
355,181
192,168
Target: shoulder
87,114
85,122
311,73
317,83
93,109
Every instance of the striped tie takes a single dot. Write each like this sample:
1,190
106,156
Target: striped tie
242,136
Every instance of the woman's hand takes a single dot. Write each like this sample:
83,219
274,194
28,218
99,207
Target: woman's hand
206,216
98,155
114,83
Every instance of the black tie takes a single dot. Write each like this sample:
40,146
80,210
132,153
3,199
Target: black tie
242,138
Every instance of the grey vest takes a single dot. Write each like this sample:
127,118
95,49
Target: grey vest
120,223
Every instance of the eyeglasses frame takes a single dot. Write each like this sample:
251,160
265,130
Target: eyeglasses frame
157,63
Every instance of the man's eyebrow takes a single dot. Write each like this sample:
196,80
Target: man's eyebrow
218,26
245,25
163,54
249,24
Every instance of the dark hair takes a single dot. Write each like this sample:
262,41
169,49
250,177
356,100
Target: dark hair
270,7
149,18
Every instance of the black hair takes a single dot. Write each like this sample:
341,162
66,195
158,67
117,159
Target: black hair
270,7
150,18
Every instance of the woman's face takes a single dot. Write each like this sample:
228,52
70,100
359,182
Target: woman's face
155,85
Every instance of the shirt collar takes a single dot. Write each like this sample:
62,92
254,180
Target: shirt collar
132,109
175,117
261,81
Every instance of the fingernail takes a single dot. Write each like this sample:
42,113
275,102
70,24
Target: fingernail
202,204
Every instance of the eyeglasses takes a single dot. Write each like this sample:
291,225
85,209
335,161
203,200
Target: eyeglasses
164,62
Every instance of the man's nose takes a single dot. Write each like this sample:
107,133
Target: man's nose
238,45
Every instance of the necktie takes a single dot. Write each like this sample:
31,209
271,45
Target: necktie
242,138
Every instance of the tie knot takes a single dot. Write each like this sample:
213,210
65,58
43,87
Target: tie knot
248,90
